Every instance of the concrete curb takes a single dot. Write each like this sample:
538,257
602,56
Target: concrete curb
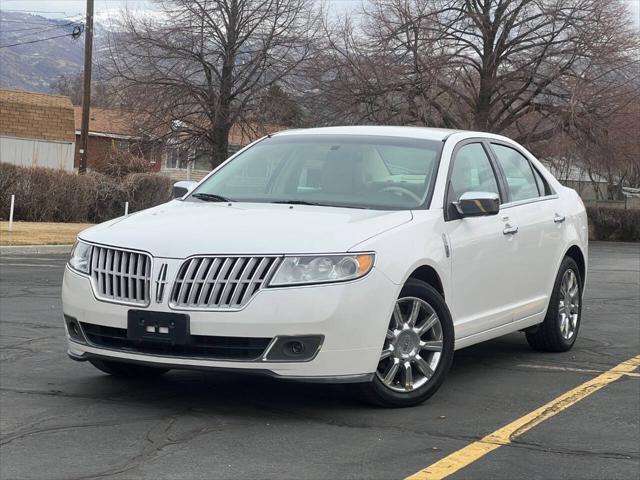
34,249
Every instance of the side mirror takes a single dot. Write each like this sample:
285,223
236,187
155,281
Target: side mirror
180,189
477,204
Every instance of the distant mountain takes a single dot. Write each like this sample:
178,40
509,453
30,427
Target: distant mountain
35,66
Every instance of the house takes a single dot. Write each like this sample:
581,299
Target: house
111,129
576,176
180,163
36,129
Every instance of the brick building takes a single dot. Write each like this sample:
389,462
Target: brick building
36,129
110,130
44,130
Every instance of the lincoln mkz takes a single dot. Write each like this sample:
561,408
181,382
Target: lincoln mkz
363,255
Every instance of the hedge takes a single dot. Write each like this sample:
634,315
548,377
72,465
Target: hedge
47,195
614,224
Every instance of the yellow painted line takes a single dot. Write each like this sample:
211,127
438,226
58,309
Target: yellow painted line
505,435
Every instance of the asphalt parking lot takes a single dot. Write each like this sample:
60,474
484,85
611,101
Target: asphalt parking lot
65,420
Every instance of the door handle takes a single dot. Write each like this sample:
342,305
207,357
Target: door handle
509,230
557,218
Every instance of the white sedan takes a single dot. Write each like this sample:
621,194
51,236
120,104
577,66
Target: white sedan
344,254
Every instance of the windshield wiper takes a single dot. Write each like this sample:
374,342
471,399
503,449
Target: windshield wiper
316,204
301,202
211,197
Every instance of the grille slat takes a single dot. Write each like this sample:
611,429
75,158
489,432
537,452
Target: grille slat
120,275
198,280
129,272
207,284
217,284
241,287
259,275
224,283
109,270
230,284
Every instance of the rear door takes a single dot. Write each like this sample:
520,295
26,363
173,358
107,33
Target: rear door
533,209
482,255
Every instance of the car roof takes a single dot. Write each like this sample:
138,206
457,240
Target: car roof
426,133
390,131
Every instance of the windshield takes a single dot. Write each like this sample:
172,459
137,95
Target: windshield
336,170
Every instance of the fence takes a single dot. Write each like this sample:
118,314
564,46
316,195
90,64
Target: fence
629,203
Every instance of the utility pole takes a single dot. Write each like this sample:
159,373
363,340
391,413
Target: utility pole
86,90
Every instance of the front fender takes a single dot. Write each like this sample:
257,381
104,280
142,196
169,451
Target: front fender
400,251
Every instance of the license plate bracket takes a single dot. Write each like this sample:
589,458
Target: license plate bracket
158,327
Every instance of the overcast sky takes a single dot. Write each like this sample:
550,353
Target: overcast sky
68,8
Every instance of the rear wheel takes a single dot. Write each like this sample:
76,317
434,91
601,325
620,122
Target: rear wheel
559,330
417,350
127,370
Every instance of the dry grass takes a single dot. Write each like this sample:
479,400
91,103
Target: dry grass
36,233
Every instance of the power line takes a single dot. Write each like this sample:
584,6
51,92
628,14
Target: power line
77,31
40,31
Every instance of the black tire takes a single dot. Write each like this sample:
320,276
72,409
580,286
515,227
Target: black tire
378,393
547,336
127,370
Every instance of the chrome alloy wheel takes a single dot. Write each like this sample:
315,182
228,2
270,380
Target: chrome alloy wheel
569,304
412,347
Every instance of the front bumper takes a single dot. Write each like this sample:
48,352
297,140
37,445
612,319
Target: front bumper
352,316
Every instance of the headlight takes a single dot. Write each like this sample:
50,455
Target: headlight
305,269
80,257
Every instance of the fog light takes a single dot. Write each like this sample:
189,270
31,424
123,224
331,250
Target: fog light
74,330
294,349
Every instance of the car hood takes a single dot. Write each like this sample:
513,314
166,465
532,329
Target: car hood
180,229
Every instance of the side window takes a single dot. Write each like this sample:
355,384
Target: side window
471,172
543,186
522,180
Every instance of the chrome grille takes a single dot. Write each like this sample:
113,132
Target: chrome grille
120,276
220,282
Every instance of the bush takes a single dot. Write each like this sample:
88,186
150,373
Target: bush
146,191
614,224
47,195
122,162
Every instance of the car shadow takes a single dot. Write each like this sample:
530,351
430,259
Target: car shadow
243,393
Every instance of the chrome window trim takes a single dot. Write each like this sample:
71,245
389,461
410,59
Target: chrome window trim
529,200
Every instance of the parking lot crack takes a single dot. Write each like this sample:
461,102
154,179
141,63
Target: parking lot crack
17,435
565,451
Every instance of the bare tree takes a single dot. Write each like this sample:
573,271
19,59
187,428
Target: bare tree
609,148
204,66
70,85
507,66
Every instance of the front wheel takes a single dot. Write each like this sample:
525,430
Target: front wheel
559,330
127,370
417,350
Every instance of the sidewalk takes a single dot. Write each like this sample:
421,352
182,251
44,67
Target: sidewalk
34,250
